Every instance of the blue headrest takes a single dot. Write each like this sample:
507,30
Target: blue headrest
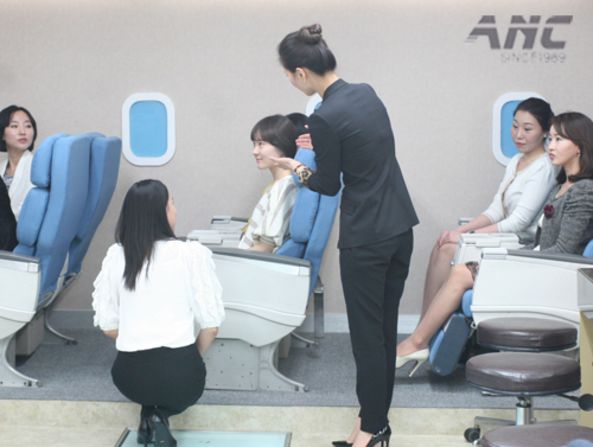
41,165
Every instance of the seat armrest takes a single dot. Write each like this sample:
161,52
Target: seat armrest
11,261
228,223
214,237
559,257
260,256
471,245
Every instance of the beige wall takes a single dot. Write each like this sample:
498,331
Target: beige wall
73,63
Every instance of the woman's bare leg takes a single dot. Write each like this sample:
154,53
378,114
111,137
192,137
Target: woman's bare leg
445,302
439,267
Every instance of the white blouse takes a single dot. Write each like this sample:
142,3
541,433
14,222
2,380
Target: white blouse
270,219
521,196
21,182
179,295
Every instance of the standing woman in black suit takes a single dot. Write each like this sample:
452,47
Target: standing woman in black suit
352,138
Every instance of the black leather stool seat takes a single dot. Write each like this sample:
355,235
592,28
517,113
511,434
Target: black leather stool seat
538,435
526,334
523,373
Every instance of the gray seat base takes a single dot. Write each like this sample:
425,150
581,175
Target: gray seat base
543,435
236,365
526,334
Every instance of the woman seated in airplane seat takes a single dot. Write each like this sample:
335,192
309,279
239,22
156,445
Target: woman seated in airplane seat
267,228
7,221
566,226
518,202
160,298
19,131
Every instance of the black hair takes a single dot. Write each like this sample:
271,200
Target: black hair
277,130
540,110
578,128
142,222
7,221
306,48
6,116
299,120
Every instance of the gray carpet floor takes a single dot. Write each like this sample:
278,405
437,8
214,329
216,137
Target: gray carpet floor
81,373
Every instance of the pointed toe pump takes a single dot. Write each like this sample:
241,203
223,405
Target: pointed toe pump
418,356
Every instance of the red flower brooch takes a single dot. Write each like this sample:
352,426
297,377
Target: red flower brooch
549,210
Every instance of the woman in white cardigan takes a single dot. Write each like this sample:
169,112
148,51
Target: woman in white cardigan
528,179
19,131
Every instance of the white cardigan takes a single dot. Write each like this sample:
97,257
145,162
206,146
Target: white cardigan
524,196
21,182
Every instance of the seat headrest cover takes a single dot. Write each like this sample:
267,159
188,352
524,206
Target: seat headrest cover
41,165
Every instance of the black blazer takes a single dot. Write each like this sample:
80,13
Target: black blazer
352,135
7,221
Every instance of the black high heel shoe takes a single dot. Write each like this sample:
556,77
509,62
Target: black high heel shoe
145,433
386,432
160,428
381,438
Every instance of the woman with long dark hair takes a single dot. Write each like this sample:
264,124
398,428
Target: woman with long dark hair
161,300
353,141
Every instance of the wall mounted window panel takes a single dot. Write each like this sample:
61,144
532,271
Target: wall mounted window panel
148,129
503,146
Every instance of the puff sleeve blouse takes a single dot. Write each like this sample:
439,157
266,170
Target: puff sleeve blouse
175,295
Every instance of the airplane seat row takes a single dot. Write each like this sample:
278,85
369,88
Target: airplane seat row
50,219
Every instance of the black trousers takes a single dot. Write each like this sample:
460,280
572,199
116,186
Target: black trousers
373,278
165,380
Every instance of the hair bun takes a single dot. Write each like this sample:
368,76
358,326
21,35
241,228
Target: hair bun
311,34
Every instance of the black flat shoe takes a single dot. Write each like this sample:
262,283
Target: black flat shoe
160,428
144,432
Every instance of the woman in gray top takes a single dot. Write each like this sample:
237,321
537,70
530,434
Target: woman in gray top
566,227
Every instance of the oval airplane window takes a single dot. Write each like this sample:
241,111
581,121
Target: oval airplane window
148,129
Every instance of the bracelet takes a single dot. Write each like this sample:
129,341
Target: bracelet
296,167
303,173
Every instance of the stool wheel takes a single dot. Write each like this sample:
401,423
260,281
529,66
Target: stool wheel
472,434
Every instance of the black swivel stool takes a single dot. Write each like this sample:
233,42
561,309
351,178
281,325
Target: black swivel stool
541,435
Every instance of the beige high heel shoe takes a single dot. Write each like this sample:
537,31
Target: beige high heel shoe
419,357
